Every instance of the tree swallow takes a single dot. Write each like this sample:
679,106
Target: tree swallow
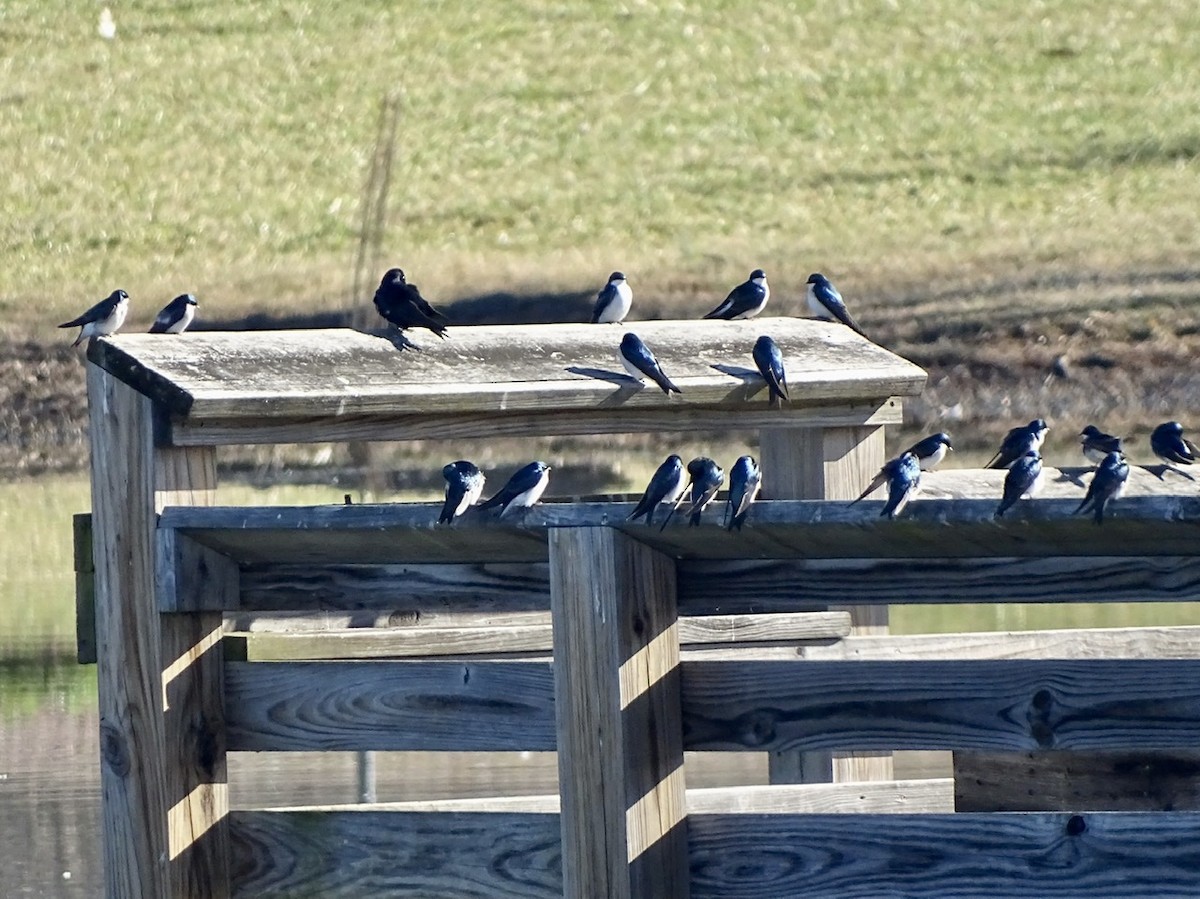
1096,444
931,450
614,301
1018,442
903,479
1108,483
824,301
746,300
522,490
105,318
769,362
175,316
665,486
641,364
402,305
464,484
1024,479
1169,444
745,478
706,478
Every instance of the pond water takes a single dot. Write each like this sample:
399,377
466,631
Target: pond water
49,776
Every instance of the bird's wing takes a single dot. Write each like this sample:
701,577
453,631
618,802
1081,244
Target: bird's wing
878,481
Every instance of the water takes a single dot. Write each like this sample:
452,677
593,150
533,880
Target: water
49,774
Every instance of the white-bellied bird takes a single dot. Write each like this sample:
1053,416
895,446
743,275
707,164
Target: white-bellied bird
464,485
176,316
105,318
746,300
613,301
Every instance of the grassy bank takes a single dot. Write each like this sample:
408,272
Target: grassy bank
223,148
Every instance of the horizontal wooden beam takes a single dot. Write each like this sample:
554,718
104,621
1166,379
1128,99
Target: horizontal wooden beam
1077,781
883,797
1036,855
319,706
531,636
353,854
992,705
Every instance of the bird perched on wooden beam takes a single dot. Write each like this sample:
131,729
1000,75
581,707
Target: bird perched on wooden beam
402,305
176,316
105,318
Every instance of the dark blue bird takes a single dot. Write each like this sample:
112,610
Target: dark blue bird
745,479
824,301
705,479
105,318
1096,444
1108,483
665,486
1024,479
1169,444
903,479
403,306
1018,442
746,300
769,362
931,450
176,316
641,364
464,484
523,489
614,300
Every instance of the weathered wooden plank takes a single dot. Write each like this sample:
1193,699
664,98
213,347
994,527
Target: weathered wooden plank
192,577
532,423
973,856
353,854
621,767
888,797
505,368
1068,643
489,706
1077,781
531,636
85,589
995,705
706,586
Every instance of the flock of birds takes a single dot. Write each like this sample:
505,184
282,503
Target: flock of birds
695,486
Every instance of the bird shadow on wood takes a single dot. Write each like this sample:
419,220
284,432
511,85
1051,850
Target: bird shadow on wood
749,375
1073,476
752,382
1160,471
398,339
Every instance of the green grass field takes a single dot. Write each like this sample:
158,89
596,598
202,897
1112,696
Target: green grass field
223,148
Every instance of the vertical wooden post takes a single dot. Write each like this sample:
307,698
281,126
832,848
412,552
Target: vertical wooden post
620,735
826,463
162,750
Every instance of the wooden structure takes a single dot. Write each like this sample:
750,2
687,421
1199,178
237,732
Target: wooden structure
620,701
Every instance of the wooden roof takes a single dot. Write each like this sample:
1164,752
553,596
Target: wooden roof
285,386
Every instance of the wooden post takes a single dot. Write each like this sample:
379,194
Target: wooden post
620,738
826,463
162,751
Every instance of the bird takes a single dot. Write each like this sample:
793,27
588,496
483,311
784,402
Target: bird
665,486
931,450
1018,442
176,316
824,301
464,484
903,480
105,318
746,300
1096,444
641,364
402,305
613,301
745,479
769,362
523,489
1108,483
1024,479
705,479
1169,444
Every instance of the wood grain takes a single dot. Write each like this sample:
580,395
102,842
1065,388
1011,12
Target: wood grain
1077,781
257,376
991,705
321,706
362,853
967,856
621,766
192,577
